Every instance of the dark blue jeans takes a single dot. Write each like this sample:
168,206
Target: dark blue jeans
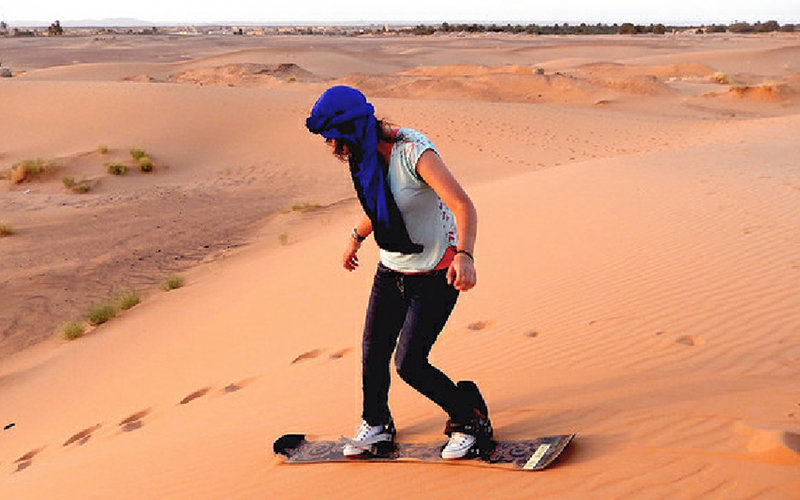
407,312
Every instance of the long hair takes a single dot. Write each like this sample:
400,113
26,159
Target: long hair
344,150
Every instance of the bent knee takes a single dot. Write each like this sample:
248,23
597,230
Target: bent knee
410,369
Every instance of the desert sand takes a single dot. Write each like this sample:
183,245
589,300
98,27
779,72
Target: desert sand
637,258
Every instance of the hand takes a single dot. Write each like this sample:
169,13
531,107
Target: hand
461,273
350,259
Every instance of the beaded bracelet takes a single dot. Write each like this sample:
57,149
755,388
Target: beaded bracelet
467,254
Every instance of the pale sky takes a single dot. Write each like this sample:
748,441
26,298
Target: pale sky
589,11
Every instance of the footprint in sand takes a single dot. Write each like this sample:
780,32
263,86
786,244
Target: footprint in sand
235,386
690,340
478,325
26,460
340,353
773,445
82,437
196,394
134,421
307,355
611,319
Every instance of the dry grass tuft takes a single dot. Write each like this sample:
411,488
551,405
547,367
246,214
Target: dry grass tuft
72,330
28,170
305,207
145,163
172,282
117,169
100,313
137,153
81,187
127,299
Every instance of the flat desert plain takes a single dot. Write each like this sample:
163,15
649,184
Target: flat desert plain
638,263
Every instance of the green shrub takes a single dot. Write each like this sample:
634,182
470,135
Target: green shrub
172,282
137,153
284,238
26,170
99,314
102,149
6,229
117,169
33,167
127,299
145,164
72,330
76,187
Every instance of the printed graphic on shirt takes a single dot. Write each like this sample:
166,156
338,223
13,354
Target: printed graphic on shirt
448,224
428,219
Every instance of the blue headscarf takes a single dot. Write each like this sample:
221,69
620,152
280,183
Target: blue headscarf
343,113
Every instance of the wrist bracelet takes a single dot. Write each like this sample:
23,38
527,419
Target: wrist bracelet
467,254
357,236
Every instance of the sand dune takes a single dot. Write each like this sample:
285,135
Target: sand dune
245,74
490,86
637,264
506,84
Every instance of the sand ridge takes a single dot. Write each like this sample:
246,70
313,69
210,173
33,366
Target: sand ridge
637,264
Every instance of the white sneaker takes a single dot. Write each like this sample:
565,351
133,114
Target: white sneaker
368,433
458,446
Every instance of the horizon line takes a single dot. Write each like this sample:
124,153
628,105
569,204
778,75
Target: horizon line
366,22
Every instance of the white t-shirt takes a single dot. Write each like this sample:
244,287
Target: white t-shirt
428,220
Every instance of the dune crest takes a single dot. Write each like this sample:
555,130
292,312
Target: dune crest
243,74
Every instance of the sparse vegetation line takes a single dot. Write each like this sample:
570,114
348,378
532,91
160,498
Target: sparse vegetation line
601,28
55,29
101,313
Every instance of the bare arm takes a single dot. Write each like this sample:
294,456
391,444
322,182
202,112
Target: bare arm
433,170
350,259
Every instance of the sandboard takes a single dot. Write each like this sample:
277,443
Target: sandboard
528,454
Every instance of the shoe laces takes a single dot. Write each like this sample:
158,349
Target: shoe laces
366,431
460,438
